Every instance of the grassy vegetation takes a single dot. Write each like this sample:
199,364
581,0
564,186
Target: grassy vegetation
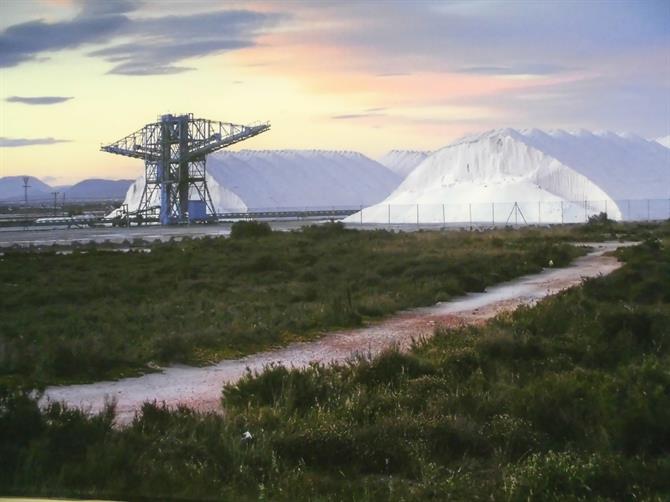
567,400
98,314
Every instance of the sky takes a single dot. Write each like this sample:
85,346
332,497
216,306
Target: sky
368,76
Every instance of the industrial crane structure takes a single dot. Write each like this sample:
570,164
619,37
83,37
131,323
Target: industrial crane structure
174,150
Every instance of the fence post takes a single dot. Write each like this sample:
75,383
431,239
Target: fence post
361,214
493,214
470,212
389,214
648,210
539,212
605,208
444,218
562,219
417,215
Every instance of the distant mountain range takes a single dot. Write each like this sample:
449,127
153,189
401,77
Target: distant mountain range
11,189
99,189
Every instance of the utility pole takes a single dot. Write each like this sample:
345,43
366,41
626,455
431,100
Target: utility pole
55,194
26,186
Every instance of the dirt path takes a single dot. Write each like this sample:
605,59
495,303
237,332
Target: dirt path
200,388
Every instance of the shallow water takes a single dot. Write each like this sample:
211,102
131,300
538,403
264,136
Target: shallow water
200,387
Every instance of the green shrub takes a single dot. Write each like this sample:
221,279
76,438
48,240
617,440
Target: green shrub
248,229
390,367
326,230
565,400
375,449
102,314
293,389
599,219
454,436
567,406
565,475
20,423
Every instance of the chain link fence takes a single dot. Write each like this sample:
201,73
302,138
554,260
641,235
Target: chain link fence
511,213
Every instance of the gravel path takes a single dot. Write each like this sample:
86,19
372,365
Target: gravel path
200,387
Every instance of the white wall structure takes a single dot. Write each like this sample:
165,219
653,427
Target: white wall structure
403,162
290,179
532,176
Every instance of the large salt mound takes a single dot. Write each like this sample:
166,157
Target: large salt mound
549,175
273,179
665,141
403,162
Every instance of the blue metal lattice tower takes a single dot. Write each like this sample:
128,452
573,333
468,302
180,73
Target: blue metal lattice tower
174,150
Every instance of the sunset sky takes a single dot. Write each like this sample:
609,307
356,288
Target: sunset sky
367,76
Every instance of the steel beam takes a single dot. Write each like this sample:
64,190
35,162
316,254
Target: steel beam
174,150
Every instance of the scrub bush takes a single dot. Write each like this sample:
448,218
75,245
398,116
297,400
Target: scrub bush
247,229
531,406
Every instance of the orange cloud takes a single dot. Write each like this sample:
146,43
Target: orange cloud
340,70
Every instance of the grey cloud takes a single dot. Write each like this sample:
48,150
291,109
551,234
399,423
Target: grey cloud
38,100
626,105
443,36
107,7
25,41
18,142
354,116
216,24
349,116
624,43
522,69
405,119
150,68
393,74
157,45
157,56
160,44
